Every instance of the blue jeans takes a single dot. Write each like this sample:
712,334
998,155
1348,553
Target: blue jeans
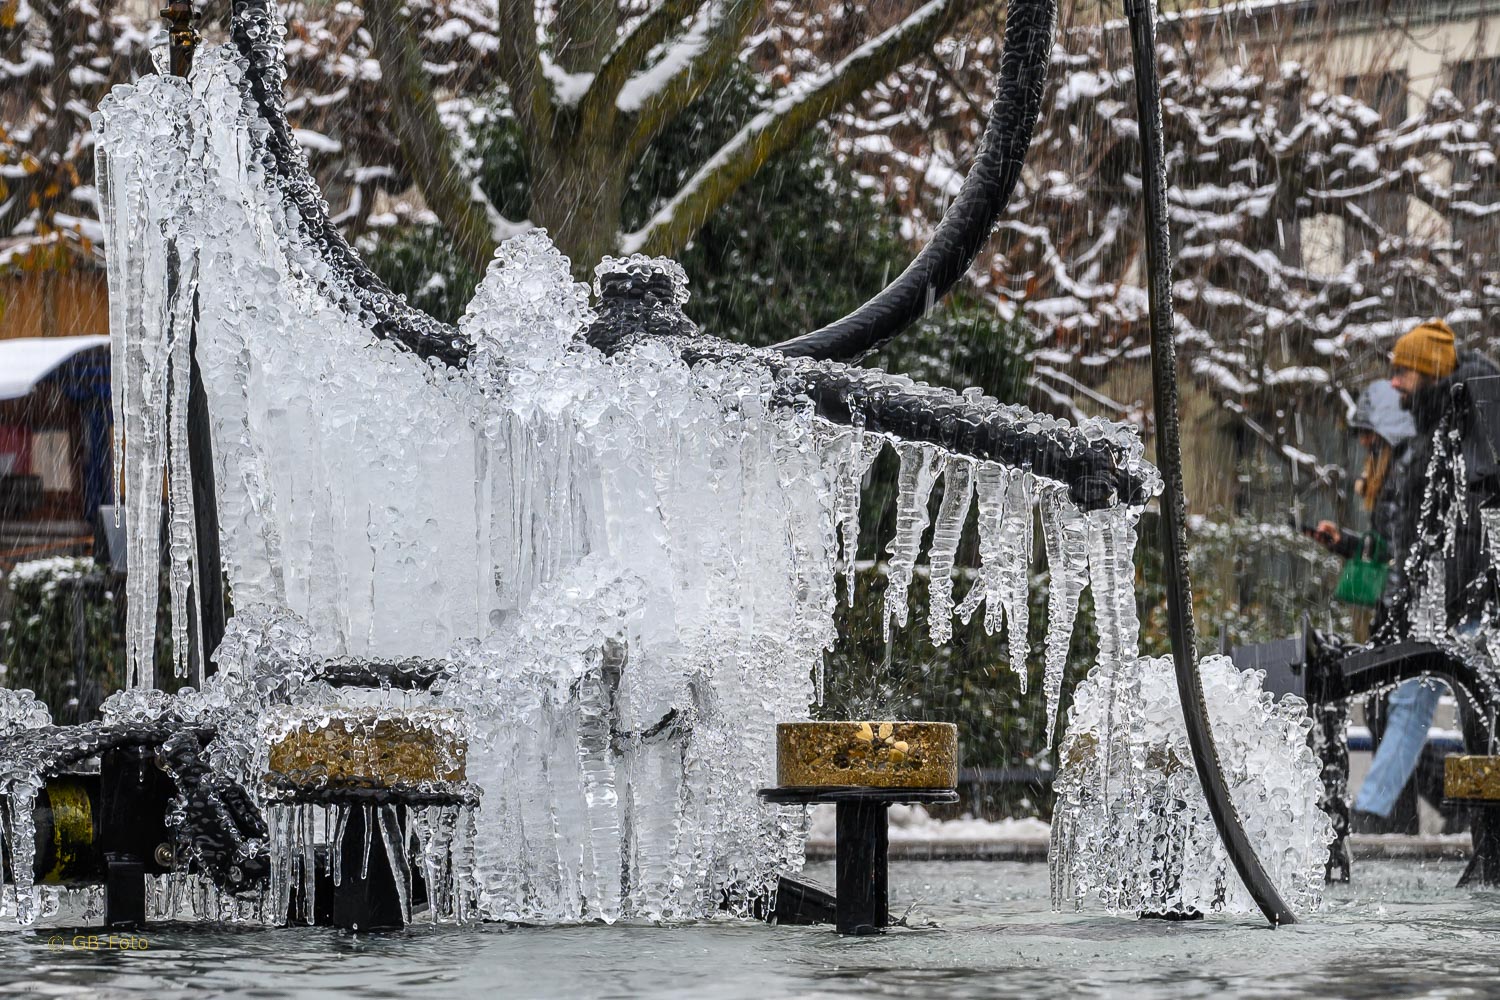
1412,705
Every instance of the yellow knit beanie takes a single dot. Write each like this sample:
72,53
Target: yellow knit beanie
1427,349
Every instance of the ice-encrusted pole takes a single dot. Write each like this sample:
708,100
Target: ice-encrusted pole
1169,460
207,567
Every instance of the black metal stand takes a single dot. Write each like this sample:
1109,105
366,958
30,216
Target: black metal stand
1484,864
366,898
133,798
862,901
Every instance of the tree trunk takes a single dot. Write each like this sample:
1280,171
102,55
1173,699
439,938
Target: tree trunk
576,190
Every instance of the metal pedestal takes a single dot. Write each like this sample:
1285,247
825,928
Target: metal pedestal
862,900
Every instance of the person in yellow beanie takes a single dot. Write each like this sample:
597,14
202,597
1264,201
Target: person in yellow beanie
1421,356
1425,365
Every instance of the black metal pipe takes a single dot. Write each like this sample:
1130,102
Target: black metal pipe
1370,669
968,222
253,29
1169,460
1097,472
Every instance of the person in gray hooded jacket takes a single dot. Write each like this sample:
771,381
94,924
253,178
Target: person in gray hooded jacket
1384,428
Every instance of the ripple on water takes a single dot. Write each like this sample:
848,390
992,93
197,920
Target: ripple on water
978,929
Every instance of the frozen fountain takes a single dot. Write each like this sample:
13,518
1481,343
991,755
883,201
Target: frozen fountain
551,579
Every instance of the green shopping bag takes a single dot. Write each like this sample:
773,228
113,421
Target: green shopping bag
1363,578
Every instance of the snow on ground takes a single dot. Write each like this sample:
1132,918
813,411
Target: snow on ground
912,823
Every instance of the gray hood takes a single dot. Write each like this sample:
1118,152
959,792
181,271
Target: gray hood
1379,410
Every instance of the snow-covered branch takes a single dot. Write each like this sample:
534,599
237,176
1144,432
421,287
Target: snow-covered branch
800,107
632,50
653,97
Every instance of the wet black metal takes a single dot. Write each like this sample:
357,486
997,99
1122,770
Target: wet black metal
1484,864
253,26
862,886
217,825
632,309
453,795
968,222
801,901
632,305
366,897
403,675
1333,753
1335,675
150,772
133,798
1328,674
1169,459
861,849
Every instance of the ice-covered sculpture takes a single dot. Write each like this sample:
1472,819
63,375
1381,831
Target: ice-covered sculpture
621,561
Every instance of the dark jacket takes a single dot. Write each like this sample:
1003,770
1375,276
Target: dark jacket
1469,561
1379,411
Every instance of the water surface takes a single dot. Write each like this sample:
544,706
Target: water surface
979,929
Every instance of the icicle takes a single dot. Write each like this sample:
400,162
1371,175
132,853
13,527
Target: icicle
21,794
958,493
395,855
364,852
1112,577
920,465
990,490
1066,537
1013,571
181,527
862,451
596,762
336,848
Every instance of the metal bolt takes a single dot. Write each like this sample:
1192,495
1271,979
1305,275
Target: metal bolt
165,856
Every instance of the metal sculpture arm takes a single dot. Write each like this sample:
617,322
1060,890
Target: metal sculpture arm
1169,458
254,30
1095,472
966,225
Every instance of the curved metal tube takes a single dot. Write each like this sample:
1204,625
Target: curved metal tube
1371,668
252,28
966,225
1169,460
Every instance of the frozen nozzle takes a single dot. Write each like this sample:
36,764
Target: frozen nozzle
639,297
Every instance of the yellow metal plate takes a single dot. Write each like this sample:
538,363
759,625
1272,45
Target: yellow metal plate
1472,777
867,754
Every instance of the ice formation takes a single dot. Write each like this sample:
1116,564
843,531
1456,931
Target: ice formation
623,566
1131,827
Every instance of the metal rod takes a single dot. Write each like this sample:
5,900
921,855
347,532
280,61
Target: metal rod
968,222
1169,460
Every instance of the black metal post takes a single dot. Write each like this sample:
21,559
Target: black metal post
863,884
1484,865
133,796
366,898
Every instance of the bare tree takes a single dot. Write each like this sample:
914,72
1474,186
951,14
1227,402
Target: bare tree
57,59
592,84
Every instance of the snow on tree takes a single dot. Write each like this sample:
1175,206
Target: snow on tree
57,58
1309,228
